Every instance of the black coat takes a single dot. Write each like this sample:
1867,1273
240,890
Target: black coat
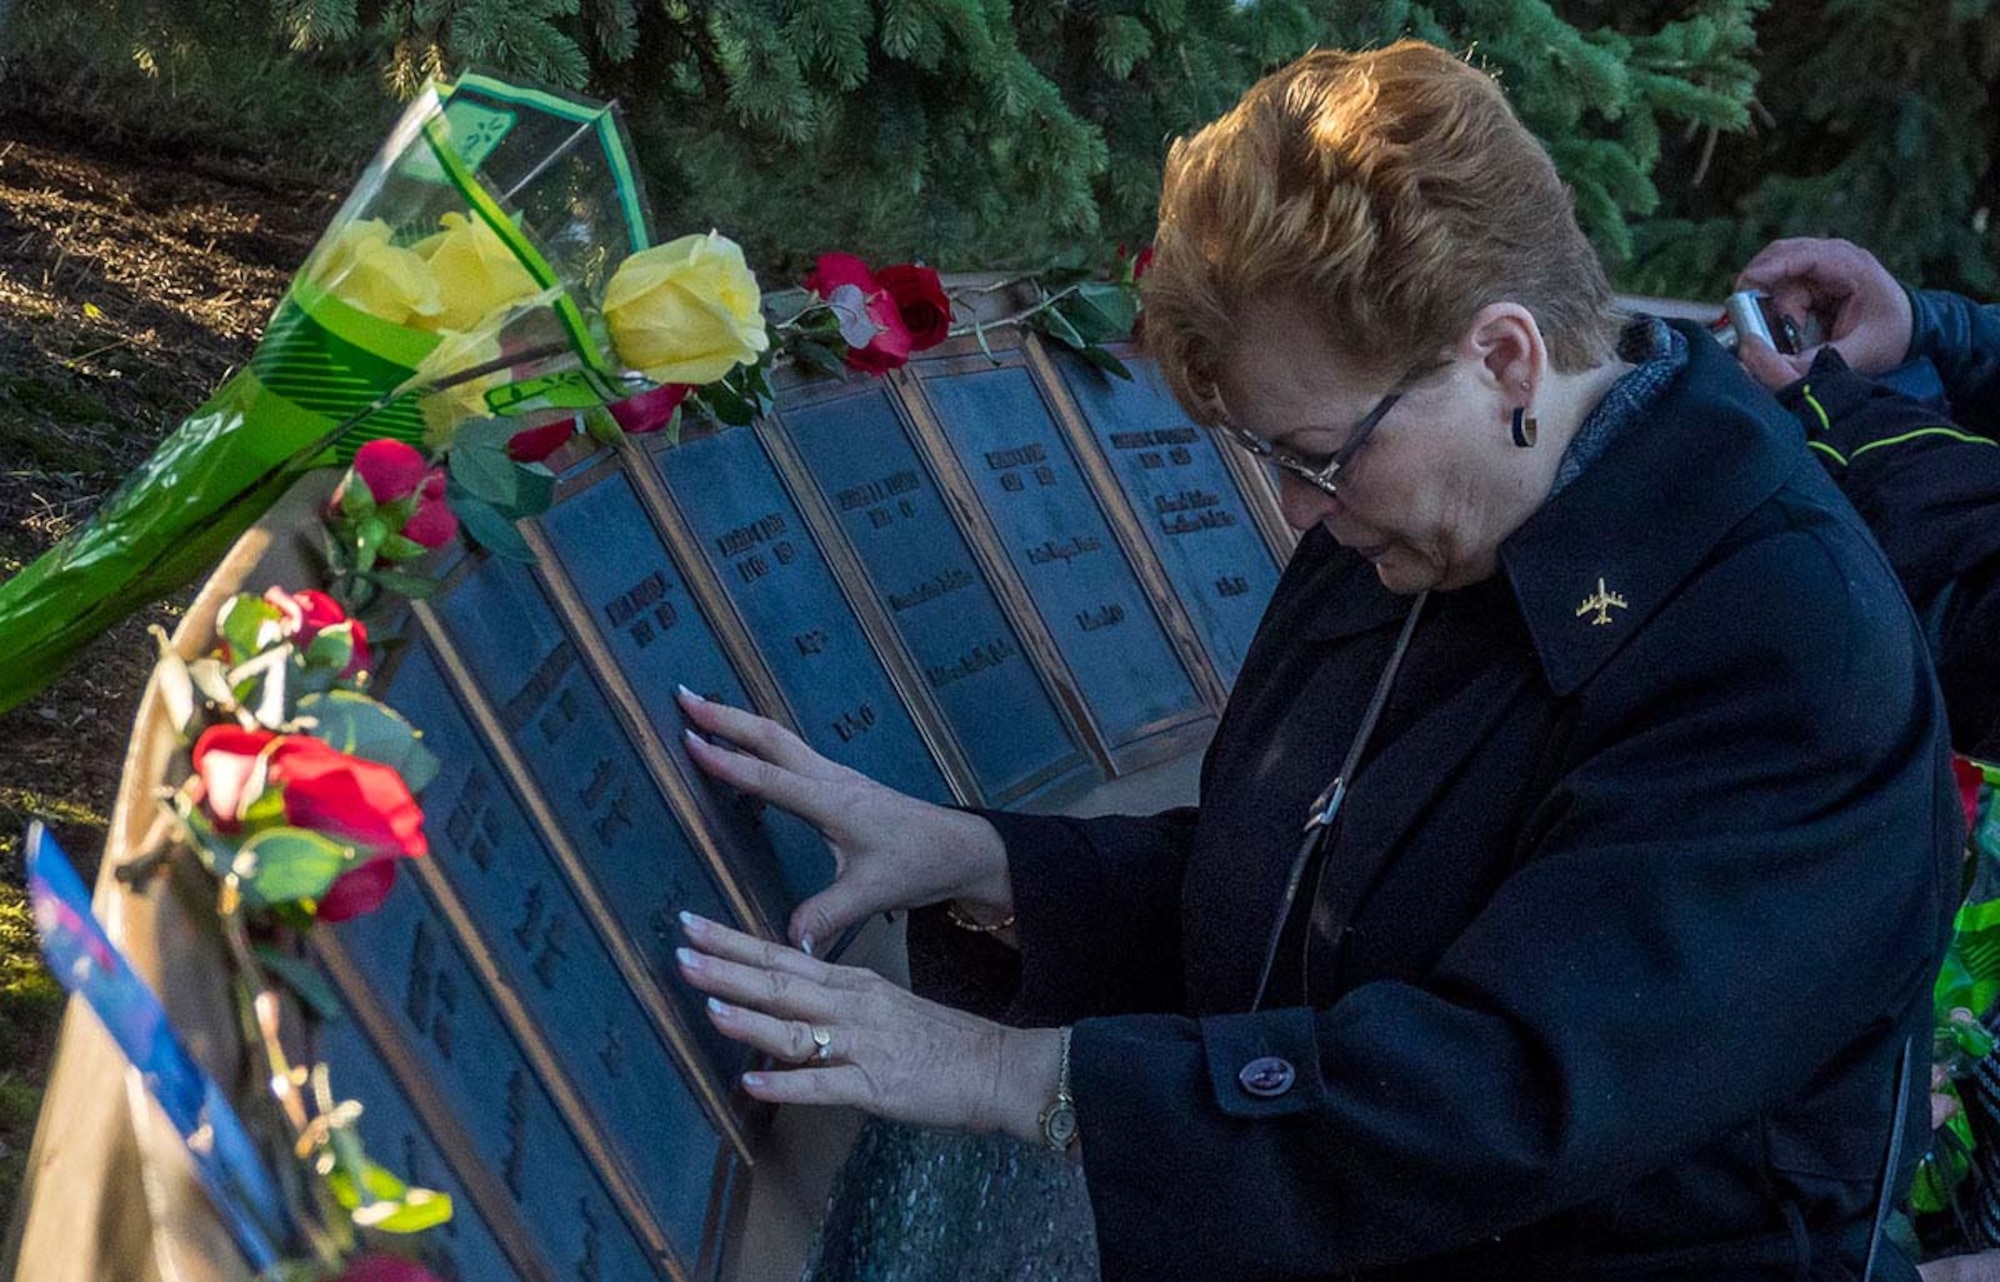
1930,491
1662,899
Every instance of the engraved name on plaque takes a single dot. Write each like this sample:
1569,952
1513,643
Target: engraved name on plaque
464,1248
1197,519
502,885
597,790
1056,537
401,960
854,449
656,637
775,573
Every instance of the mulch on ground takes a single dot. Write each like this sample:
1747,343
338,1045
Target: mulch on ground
131,283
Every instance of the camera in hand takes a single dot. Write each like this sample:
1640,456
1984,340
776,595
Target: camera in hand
1747,311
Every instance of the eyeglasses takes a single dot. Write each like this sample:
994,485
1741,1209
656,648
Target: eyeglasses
1320,478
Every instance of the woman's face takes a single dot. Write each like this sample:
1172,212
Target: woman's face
1430,494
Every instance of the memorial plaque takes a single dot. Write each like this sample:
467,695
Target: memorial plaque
511,894
402,960
1062,547
656,636
855,450
597,790
774,571
463,1249
1196,517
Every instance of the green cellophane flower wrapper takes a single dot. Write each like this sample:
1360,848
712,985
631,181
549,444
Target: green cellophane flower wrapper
499,209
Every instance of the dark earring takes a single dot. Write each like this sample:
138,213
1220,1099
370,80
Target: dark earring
1524,428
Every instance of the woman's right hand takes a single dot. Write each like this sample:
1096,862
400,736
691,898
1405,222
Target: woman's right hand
890,850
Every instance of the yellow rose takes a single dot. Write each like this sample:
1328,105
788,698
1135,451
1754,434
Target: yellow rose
445,409
686,311
477,274
368,273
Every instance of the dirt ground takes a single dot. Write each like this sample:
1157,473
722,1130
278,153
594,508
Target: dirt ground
131,284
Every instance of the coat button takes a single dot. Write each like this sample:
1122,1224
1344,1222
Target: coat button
1267,1077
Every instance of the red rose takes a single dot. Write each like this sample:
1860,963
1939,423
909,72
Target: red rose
650,411
386,1268
309,612
1142,262
537,443
1969,778
890,344
224,759
392,469
432,525
921,299
361,804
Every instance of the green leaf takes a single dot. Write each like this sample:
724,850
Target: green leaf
1107,362
357,501
411,587
601,427
241,624
302,979
283,865
332,648
817,356
483,470
385,1203
398,548
1101,310
416,1211
266,810
534,492
360,727
1057,326
490,529
723,401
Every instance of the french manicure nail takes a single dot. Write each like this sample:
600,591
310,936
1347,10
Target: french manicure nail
806,945
688,958
753,1080
716,1007
689,695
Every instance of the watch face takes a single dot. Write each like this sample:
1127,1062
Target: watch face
1059,1125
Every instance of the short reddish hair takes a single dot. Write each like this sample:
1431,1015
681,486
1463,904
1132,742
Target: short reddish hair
1395,193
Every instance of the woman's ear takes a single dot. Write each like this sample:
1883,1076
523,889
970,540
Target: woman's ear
1506,345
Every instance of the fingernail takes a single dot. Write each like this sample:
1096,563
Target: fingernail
688,958
689,695
806,945
693,738
694,923
754,1081
715,1007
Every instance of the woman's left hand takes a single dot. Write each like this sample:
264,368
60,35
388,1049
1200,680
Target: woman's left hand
887,1051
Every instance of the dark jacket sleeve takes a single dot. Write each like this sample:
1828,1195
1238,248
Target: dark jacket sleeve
1097,917
1961,338
1930,492
1739,827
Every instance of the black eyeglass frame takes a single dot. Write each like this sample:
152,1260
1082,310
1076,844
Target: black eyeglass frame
1321,479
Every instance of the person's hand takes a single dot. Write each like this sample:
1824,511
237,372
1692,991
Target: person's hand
1866,311
886,1050
890,850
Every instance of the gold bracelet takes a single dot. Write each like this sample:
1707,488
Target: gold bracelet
963,922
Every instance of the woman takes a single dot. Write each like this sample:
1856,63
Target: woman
1601,959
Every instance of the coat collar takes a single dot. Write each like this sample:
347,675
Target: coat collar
1642,517
1593,564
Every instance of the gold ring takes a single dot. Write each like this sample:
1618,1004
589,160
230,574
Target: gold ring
822,1043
